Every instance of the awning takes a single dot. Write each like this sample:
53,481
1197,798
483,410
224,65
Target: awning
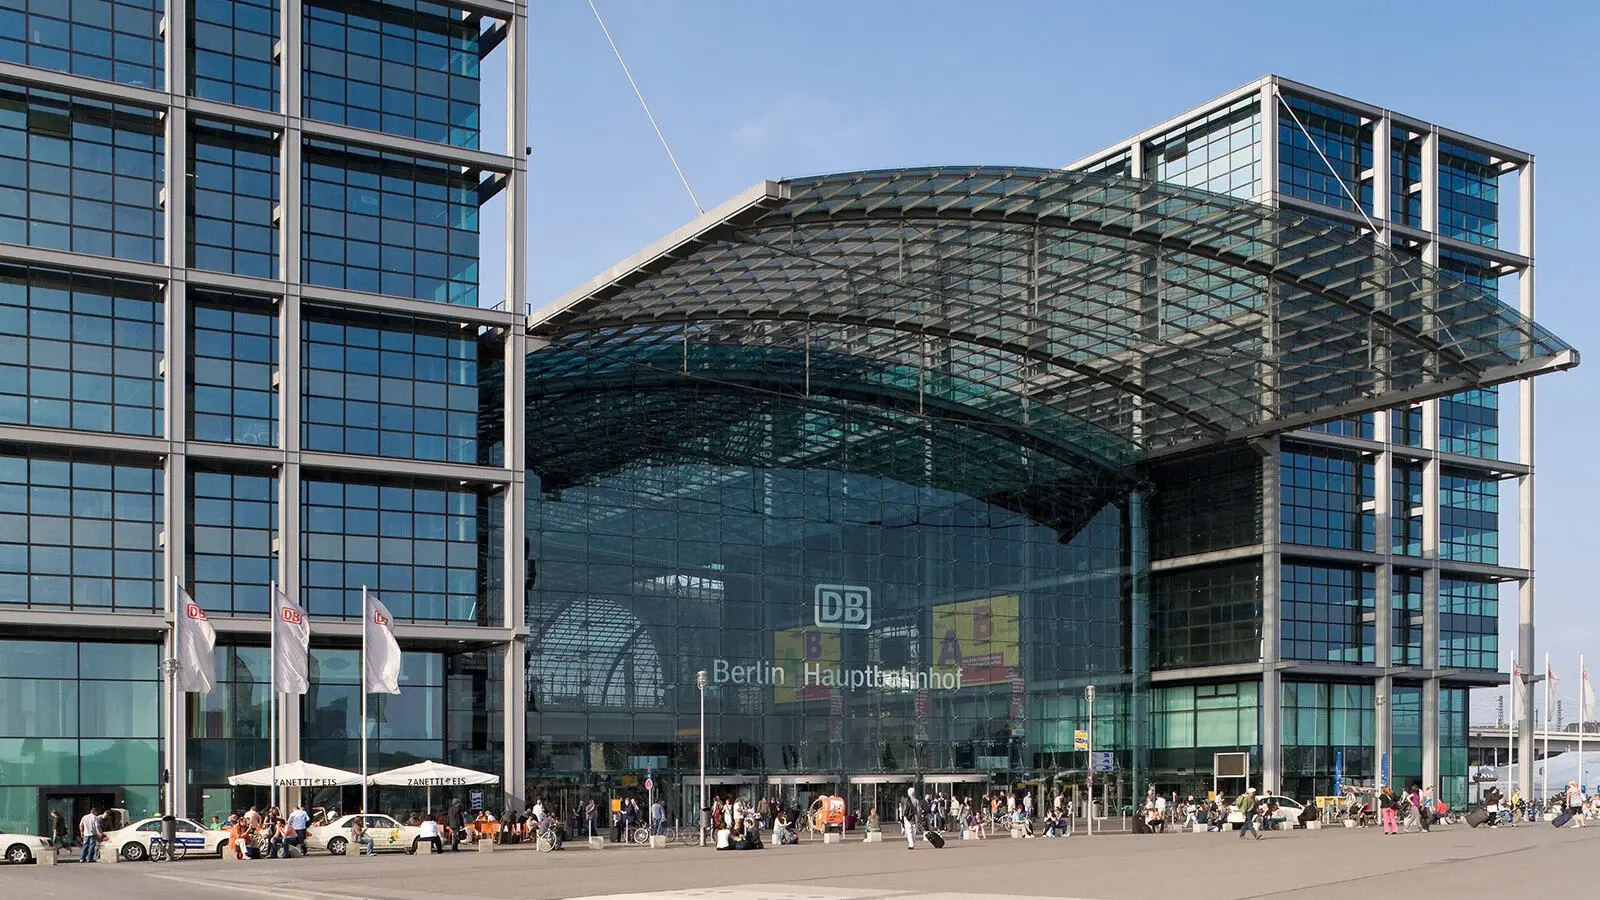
296,774
431,774
723,779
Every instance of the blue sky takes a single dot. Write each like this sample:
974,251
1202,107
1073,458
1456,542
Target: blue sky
752,90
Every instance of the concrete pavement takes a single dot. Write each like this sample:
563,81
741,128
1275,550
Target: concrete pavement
1325,865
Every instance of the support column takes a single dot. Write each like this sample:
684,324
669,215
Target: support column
1382,137
514,704
1271,698
1525,512
1139,645
1267,192
1431,553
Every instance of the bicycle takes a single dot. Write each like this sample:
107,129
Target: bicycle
636,834
688,835
159,851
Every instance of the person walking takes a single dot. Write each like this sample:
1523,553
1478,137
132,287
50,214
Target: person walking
910,812
1574,802
299,823
58,830
90,833
454,821
1247,808
1386,807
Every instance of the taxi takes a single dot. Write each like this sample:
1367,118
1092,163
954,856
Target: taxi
133,842
386,834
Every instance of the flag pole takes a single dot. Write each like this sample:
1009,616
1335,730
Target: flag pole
272,691
169,666
1545,789
1583,684
364,614
1511,727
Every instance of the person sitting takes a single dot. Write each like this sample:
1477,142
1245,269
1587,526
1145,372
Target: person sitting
429,831
358,836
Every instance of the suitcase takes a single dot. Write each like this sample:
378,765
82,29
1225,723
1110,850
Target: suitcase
935,838
1477,817
1562,820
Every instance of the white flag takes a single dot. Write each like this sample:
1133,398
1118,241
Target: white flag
196,644
1586,701
382,666
291,629
1521,687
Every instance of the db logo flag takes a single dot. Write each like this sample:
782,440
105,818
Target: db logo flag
381,667
195,644
291,636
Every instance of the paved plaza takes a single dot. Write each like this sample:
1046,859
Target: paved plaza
1327,865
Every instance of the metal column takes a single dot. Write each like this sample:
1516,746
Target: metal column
1271,583
1525,547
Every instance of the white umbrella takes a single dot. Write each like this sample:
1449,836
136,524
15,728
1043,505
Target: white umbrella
427,774
296,774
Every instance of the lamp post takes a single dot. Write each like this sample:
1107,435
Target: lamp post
700,681
1088,825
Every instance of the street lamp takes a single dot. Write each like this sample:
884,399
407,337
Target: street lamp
1088,778
700,682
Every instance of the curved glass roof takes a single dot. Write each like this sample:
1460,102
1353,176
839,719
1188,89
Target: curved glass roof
1087,319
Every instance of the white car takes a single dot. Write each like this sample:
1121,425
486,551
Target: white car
386,834
1289,809
133,843
22,848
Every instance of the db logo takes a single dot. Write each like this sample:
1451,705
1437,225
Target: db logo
292,616
843,606
193,611
379,618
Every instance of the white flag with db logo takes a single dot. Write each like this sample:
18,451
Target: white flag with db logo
196,643
291,634
382,663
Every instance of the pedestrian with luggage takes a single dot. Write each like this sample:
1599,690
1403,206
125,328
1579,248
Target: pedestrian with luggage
910,812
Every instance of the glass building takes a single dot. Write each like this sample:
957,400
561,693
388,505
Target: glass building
1378,545
902,461
247,337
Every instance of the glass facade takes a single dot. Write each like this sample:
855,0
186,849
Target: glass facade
1212,502
228,731
1469,195
1190,723
405,67
79,530
1469,617
849,624
79,174
380,223
422,545
1327,613
1220,153
1405,618
233,396
1469,516
77,713
382,386
1206,616
1340,170
1328,729
231,57
80,352
232,198
109,40
233,519
1326,495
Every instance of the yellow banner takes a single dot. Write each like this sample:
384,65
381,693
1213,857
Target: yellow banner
792,649
981,638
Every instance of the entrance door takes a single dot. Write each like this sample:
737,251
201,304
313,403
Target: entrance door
73,804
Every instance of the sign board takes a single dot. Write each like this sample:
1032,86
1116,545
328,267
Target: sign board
1080,740
842,606
1102,761
649,784
980,638
1230,765
477,800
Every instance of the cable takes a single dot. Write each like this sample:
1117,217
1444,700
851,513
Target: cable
649,115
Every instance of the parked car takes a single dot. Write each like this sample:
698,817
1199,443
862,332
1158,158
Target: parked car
1291,810
133,842
22,848
386,834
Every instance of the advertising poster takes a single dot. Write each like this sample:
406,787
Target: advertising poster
981,638
792,648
